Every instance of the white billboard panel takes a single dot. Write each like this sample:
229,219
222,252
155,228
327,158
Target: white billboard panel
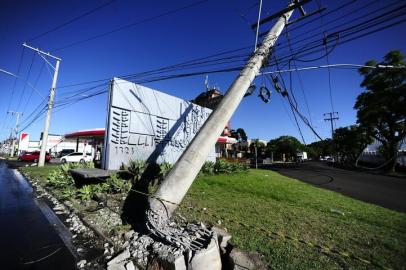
23,142
145,124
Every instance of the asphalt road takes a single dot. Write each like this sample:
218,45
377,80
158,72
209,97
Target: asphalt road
386,191
28,239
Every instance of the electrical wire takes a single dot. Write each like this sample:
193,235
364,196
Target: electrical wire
132,25
299,77
71,20
27,79
32,90
350,35
302,51
7,119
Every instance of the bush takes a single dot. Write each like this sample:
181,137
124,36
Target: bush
208,168
68,192
116,185
86,192
164,169
225,167
60,179
136,168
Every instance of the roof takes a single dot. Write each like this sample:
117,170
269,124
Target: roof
97,132
226,139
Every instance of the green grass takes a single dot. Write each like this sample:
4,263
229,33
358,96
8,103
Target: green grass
262,198
39,173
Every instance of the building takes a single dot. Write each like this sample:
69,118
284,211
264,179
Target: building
372,154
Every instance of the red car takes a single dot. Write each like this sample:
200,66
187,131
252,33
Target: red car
32,156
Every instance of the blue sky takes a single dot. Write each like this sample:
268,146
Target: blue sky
205,29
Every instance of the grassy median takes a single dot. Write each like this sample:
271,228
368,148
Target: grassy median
266,199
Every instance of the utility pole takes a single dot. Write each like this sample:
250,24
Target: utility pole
331,116
180,178
41,160
14,131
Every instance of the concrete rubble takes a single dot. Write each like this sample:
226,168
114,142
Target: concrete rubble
196,254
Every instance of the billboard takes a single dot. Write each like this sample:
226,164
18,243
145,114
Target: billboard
24,141
145,124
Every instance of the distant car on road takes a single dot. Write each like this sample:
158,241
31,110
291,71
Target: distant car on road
77,157
32,156
65,152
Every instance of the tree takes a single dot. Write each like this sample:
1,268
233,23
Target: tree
381,109
350,142
239,134
320,148
260,147
287,145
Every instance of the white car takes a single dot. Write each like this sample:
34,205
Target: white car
77,157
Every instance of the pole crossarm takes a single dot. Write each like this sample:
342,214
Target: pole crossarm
41,52
291,7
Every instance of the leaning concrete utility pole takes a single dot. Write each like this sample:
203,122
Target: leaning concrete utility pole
182,175
41,160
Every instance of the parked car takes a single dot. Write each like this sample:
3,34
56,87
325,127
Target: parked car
32,156
65,152
77,157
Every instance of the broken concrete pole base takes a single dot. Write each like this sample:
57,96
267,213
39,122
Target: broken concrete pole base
207,258
174,247
199,244
223,236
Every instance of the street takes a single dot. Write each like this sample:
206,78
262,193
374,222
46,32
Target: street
386,191
28,239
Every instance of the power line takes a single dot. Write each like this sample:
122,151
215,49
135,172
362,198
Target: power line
13,88
179,75
71,21
354,28
132,25
303,51
332,66
27,79
299,78
292,106
35,85
170,67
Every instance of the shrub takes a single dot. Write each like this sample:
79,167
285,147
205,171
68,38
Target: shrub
136,168
101,188
86,192
116,184
58,178
208,168
164,169
225,167
68,192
